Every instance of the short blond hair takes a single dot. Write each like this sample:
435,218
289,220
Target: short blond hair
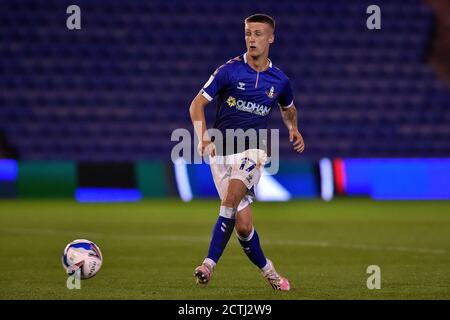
261,17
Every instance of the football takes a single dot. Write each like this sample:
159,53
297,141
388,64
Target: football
83,255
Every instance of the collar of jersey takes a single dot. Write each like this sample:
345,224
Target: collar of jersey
245,61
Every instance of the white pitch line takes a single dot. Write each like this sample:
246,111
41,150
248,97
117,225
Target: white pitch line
354,246
300,243
49,232
322,244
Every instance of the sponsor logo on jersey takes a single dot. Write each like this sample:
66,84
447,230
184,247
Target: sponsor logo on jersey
231,101
248,106
241,86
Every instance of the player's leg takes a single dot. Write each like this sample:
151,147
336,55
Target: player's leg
249,240
248,237
222,229
226,221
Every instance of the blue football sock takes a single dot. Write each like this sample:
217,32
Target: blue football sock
221,233
252,249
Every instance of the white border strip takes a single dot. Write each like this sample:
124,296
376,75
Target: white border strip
288,106
182,178
269,189
326,179
207,96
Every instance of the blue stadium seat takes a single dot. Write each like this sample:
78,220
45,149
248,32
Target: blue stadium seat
116,89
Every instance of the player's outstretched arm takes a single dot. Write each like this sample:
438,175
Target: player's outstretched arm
290,120
197,113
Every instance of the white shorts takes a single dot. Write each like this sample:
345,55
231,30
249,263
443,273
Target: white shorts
245,166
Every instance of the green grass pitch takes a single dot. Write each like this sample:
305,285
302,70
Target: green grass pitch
151,248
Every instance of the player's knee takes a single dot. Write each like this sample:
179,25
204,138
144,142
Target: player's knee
231,200
244,229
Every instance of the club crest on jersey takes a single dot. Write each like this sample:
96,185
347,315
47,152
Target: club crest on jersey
241,86
271,92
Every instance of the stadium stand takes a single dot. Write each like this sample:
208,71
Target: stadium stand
116,89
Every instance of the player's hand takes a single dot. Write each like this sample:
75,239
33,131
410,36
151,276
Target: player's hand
297,140
206,148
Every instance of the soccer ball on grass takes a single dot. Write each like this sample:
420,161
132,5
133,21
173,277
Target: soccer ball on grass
83,255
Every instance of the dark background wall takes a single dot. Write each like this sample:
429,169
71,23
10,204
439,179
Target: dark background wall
117,88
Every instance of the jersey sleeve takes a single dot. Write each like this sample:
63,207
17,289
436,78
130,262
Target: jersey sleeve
216,82
286,98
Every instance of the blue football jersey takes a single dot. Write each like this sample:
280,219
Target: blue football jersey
245,97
